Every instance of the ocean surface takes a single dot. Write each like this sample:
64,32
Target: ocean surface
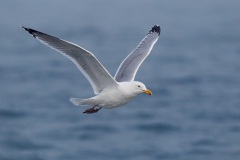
193,72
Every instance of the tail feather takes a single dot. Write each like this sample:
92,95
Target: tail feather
77,101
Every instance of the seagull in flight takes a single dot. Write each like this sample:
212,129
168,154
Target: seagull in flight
110,92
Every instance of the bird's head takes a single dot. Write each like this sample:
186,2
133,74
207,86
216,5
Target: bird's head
141,88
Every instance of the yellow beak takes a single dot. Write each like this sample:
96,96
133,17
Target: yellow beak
147,91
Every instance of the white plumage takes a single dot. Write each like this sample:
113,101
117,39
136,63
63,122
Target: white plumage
111,92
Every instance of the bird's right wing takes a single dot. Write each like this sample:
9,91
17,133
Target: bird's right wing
86,62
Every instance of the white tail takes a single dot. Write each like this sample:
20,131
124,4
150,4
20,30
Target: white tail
77,101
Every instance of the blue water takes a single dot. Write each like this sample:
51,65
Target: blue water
193,71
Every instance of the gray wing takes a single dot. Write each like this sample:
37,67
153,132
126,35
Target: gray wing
86,62
128,68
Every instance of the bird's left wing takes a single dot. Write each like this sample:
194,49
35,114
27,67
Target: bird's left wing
128,68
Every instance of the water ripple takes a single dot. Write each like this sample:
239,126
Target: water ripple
157,127
9,114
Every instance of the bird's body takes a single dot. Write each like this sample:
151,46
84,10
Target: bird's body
111,97
110,91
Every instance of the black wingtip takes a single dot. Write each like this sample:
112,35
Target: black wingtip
31,31
156,29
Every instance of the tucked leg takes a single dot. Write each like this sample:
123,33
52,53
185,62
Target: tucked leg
93,109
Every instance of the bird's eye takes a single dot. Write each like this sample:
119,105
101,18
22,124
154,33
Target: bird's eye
138,86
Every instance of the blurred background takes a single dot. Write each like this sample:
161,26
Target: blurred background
193,71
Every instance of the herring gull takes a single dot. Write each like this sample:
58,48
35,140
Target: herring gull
110,91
